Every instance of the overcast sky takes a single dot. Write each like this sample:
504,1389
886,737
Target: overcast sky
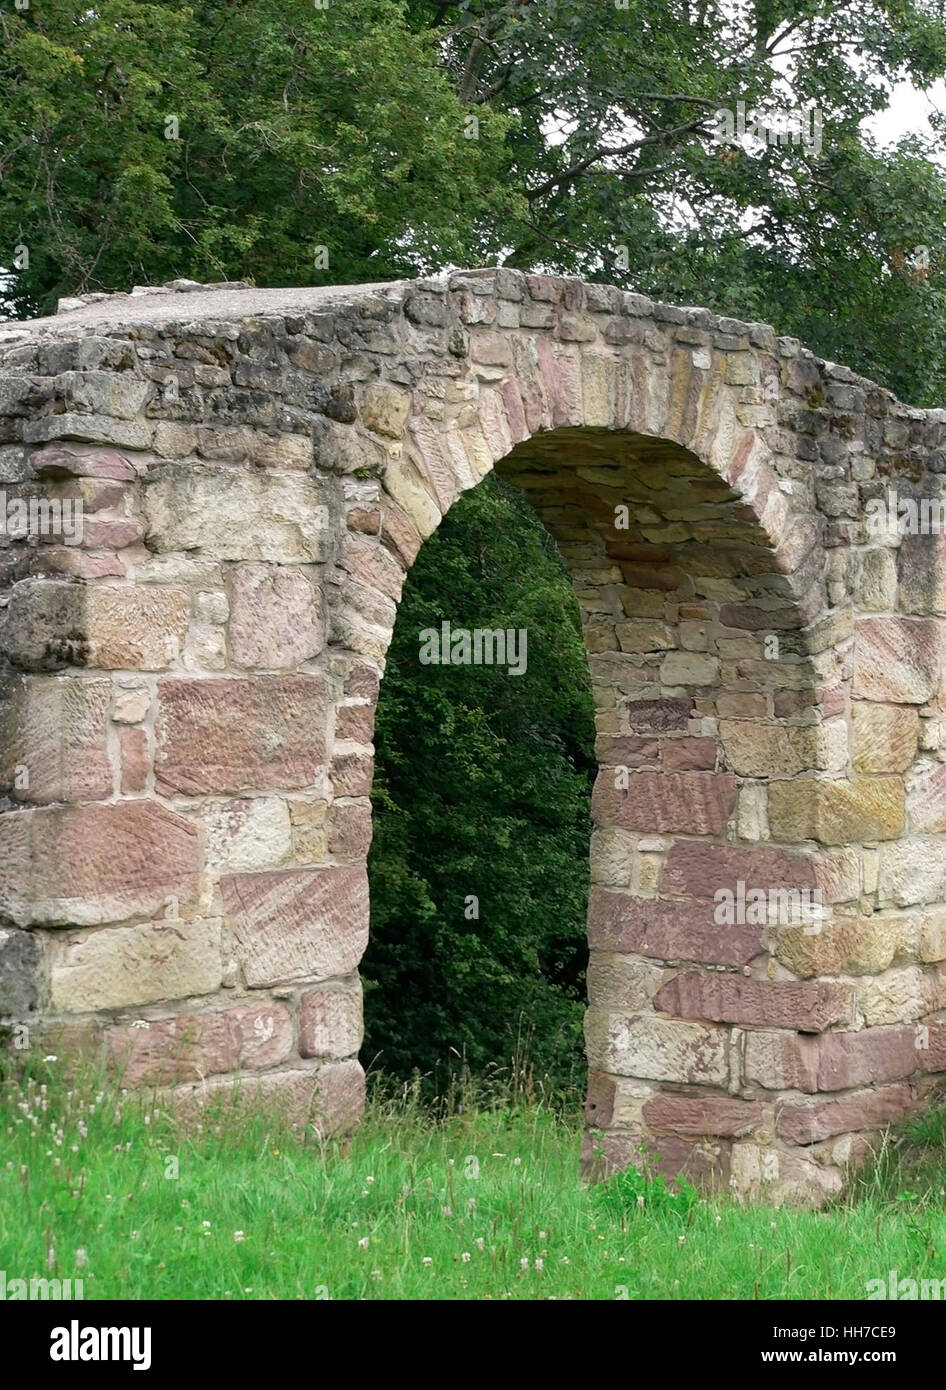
908,113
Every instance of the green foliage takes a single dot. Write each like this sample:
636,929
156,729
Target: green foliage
633,1192
631,187
297,128
350,128
482,790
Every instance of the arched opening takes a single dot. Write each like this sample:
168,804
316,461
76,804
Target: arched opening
484,764
704,690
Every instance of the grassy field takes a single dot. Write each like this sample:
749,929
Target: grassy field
481,1203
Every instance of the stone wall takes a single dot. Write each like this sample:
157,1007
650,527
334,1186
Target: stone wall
189,693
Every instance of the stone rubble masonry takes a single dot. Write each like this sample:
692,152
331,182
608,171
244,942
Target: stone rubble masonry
187,696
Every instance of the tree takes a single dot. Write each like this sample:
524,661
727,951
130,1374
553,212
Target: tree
620,156
273,140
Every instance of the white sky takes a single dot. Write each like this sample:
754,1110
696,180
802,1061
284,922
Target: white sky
907,113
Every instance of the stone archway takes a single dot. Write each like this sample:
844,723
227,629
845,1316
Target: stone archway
189,693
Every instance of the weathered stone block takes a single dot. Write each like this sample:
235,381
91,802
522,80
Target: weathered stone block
295,924
86,865
330,1021
884,737
657,1049
722,998
53,739
666,930
704,870
896,659
195,1045
21,974
912,871
247,834
872,1055
836,813
806,1122
259,733
696,803
694,1116
772,750
233,514
276,618
114,967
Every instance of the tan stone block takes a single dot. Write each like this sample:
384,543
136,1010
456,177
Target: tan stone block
235,514
772,750
115,967
884,737
131,706
926,799
912,871
612,857
782,1178
385,409
643,636
933,935
752,813
836,813
309,831
876,586
689,668
657,1049
413,495
850,945
622,984
897,996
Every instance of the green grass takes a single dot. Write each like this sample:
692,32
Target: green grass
484,1202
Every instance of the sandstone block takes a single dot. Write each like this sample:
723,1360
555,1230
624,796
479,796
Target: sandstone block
295,924
261,733
115,967
330,1021
896,659
657,1049
276,618
86,865
836,813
